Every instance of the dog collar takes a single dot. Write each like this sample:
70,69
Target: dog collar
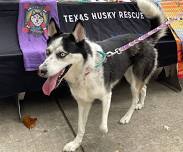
101,58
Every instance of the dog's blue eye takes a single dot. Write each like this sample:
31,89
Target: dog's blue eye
61,54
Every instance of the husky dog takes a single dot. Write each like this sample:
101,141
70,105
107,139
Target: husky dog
73,57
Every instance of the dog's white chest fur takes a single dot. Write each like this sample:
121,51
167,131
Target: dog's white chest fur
89,86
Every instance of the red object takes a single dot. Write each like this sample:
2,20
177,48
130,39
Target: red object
43,25
26,6
30,23
47,8
46,32
25,30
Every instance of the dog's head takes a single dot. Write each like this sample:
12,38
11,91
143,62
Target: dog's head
63,52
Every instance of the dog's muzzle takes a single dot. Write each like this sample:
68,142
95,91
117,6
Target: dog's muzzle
43,72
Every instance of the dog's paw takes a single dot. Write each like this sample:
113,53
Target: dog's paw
139,106
103,129
125,119
71,147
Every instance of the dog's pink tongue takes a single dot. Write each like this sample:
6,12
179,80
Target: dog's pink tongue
50,84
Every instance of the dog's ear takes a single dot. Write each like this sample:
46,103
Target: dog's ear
79,32
53,28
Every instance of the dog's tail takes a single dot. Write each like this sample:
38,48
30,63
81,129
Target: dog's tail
155,15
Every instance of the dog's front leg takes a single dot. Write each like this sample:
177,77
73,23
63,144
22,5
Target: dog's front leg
106,102
83,111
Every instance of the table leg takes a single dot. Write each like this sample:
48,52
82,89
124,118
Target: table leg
168,77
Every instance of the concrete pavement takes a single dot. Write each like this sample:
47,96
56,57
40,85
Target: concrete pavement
147,131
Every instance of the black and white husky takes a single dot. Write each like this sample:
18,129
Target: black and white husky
74,57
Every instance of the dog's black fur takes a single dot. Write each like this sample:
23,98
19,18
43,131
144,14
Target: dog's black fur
141,56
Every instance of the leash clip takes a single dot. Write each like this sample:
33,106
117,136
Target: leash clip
109,54
118,51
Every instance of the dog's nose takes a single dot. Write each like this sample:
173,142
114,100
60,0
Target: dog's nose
42,72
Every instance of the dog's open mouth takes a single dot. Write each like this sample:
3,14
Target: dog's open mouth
53,82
